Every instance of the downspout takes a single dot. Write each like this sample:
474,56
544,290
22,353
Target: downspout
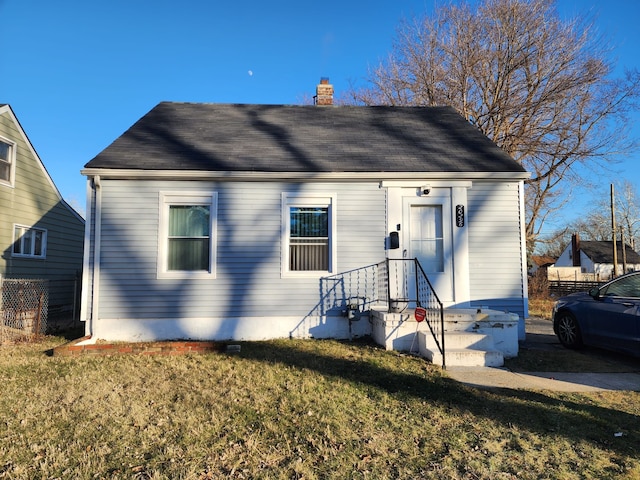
525,279
94,203
84,299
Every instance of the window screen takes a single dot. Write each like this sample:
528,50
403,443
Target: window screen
309,239
189,237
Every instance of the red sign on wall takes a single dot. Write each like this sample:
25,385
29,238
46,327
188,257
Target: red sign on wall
420,314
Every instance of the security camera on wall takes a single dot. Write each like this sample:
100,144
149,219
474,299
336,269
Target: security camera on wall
425,190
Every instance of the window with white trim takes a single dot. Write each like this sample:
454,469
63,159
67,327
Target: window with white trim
187,235
29,242
309,234
7,162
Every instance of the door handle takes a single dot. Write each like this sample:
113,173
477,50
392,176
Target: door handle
404,253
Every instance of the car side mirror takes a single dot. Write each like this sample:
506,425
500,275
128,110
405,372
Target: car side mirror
595,293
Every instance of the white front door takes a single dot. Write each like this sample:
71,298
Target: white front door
428,237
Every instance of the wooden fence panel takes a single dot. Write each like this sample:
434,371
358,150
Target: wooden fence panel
558,288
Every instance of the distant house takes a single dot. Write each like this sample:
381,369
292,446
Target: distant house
540,263
214,221
41,236
595,258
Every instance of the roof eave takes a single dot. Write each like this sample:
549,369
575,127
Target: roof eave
248,176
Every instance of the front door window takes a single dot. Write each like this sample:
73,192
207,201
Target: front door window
426,237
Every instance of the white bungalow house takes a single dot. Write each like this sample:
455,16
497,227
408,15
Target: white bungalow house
593,260
244,222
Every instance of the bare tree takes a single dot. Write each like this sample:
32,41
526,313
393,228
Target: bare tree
627,210
538,86
596,223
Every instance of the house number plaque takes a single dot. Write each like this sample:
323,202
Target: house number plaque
459,215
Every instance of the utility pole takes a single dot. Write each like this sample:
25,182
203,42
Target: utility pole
624,252
613,232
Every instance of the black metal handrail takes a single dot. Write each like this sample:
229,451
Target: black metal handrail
400,283
363,287
400,296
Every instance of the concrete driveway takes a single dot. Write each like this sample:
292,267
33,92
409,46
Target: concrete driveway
540,337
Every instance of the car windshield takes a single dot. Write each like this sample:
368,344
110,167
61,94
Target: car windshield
624,287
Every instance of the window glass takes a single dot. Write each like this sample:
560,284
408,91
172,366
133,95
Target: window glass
309,234
37,243
29,242
188,247
17,244
5,161
427,240
309,239
187,243
625,287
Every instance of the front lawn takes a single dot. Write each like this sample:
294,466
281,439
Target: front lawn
296,409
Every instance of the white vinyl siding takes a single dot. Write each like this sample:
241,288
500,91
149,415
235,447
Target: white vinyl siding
495,250
249,243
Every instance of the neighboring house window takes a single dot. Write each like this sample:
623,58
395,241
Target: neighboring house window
309,238
29,242
7,155
187,226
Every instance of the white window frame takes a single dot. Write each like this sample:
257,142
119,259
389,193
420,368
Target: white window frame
12,163
321,200
32,253
167,199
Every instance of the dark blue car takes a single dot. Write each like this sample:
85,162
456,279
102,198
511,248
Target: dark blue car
607,316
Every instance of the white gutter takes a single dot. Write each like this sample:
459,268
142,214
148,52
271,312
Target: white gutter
85,260
136,174
420,181
523,247
95,297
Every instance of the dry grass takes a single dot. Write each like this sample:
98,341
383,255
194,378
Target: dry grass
296,409
541,307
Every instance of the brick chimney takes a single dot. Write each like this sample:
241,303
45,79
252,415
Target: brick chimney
575,249
324,92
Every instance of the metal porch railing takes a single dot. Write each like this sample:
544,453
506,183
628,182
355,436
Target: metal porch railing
409,287
399,284
356,291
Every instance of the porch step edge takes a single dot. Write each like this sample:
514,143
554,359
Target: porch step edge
460,340
465,357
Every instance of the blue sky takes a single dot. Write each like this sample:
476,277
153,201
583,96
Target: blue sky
78,73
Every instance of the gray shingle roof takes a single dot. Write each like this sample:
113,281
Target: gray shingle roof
602,252
277,138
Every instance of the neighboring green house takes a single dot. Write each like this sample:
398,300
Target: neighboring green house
41,236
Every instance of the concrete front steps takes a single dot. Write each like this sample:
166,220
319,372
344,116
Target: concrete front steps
473,336
468,349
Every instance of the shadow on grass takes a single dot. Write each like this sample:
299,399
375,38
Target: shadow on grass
591,361
563,415
553,357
